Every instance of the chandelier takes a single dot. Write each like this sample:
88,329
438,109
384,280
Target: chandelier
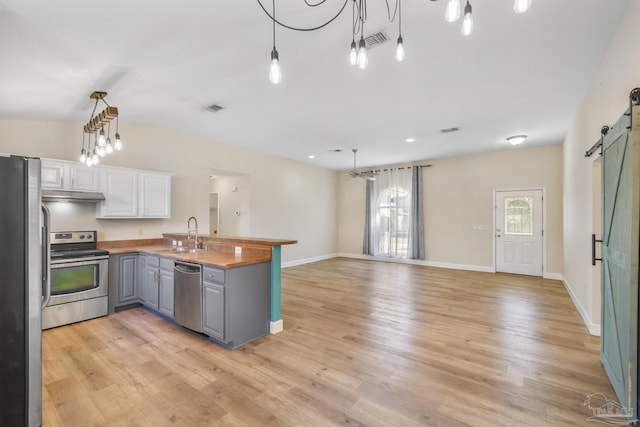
102,144
358,52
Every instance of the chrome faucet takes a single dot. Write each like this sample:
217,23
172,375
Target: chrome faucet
194,231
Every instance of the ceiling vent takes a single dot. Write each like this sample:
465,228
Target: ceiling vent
449,130
376,39
214,108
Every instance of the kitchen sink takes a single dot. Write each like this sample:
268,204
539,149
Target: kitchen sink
181,250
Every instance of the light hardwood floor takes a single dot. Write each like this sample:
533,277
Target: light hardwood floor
365,343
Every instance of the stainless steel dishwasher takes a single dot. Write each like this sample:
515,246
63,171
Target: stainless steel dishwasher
188,295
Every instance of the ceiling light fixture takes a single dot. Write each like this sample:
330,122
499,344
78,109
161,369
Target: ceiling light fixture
96,124
467,21
275,73
516,139
358,51
521,6
399,46
409,140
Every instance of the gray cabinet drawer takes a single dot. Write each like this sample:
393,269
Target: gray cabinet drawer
167,264
151,261
210,274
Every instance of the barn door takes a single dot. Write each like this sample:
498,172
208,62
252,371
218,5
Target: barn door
620,251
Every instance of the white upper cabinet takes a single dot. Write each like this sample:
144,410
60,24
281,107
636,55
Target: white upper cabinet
155,191
120,189
61,175
131,193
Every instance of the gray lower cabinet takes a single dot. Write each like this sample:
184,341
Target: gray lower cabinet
236,303
150,268
123,280
165,297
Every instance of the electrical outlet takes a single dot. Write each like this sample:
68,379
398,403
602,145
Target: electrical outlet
238,250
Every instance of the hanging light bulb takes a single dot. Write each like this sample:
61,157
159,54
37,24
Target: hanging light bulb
101,138
362,59
94,158
452,12
83,155
89,161
275,73
399,50
521,6
109,147
353,53
399,45
467,21
118,143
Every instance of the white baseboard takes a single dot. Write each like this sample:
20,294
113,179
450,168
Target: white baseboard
594,328
307,260
552,276
451,266
277,326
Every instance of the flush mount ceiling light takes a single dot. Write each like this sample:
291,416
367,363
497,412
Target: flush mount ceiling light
95,126
516,139
358,50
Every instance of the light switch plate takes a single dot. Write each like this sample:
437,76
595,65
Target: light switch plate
238,250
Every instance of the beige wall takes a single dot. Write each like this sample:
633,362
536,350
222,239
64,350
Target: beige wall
605,101
288,199
458,195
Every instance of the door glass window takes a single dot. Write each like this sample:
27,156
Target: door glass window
518,215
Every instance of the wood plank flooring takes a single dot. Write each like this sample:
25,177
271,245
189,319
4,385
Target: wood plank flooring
365,343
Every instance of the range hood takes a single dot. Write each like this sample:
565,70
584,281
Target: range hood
71,196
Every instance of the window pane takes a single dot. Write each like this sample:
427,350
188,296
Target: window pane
518,215
393,223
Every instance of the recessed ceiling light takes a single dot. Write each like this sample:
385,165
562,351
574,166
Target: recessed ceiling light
409,140
516,139
311,156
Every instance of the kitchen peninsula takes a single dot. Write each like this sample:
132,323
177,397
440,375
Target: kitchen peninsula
240,281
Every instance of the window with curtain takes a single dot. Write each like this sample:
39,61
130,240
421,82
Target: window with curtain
393,218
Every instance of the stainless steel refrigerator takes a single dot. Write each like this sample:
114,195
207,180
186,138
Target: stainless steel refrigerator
24,272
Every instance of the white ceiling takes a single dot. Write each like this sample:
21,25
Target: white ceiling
163,62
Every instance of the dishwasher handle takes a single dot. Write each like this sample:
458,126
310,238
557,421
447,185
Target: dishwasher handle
187,268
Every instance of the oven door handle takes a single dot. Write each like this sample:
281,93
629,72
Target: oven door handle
46,256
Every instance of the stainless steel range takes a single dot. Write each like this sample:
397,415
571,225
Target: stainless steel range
79,279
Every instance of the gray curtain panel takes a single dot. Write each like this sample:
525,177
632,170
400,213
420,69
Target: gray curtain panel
367,245
416,230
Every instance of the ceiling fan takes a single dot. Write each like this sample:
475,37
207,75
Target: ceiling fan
370,175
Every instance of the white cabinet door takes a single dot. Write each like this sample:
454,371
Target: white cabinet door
62,175
155,190
52,174
84,178
120,188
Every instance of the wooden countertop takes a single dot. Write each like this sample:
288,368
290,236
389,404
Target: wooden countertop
214,258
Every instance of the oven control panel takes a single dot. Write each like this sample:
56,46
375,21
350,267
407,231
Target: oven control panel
72,237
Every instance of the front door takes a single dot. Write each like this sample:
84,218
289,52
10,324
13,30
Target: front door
620,252
519,232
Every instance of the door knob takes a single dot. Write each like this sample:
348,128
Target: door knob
497,235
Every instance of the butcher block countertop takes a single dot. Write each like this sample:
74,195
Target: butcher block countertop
220,250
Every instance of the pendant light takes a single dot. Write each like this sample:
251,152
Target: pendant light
467,21
399,45
275,74
521,6
102,142
452,12
362,58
